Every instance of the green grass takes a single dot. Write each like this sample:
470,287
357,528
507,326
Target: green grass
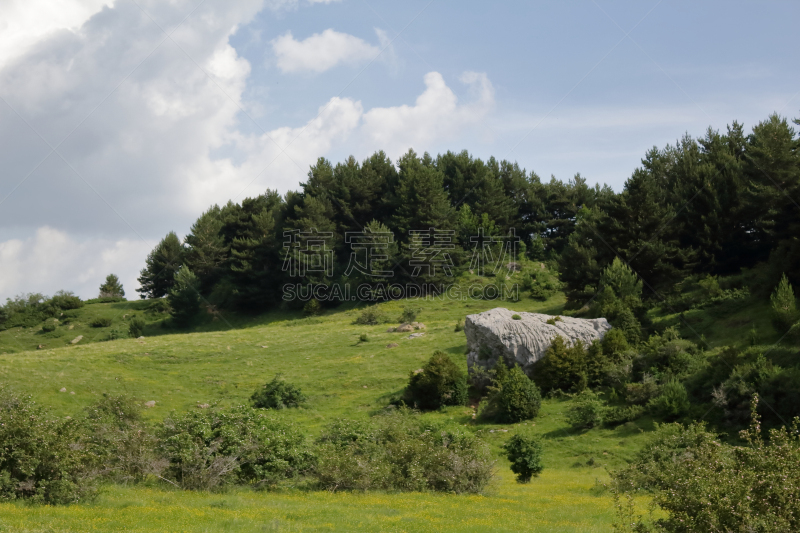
342,377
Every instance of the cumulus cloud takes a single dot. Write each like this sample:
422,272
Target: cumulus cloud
138,122
52,260
323,51
435,117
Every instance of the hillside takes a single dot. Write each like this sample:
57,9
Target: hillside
343,377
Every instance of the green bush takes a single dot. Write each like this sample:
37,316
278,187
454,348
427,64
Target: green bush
588,411
699,483
363,338
459,326
673,401
371,316
66,301
43,458
125,447
440,382
210,448
101,322
136,327
524,452
118,332
622,414
49,326
516,317
539,292
401,451
277,394
408,315
513,397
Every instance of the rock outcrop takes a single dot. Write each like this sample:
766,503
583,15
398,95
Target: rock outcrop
523,340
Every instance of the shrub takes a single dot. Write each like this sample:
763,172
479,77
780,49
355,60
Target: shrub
513,397
101,322
409,315
698,483
43,458
277,394
401,451
784,310
673,401
552,321
371,316
615,343
459,326
210,448
525,454
587,412
622,414
136,327
642,392
439,383
539,292
124,446
312,308
363,337
49,326
117,332
66,300
563,367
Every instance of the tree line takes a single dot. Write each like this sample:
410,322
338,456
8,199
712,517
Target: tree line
714,205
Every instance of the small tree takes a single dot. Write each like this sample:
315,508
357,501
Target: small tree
525,454
158,276
563,366
784,310
112,287
184,299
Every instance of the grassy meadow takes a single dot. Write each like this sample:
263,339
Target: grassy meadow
225,360
343,377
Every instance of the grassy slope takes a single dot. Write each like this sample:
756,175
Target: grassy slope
343,378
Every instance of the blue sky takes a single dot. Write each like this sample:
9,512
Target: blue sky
123,120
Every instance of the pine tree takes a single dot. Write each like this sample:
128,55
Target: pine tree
158,276
112,287
184,298
784,310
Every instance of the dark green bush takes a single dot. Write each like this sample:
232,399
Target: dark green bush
784,309
208,449
440,382
136,327
43,458
513,397
516,317
277,394
401,451
459,326
371,316
622,414
49,326
312,308
563,367
525,454
101,322
120,331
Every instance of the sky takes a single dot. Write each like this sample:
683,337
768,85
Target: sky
122,120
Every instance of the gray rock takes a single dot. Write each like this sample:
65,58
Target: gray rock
76,340
150,404
494,334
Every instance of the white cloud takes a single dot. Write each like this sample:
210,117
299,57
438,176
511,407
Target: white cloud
435,117
149,121
323,51
23,23
51,260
